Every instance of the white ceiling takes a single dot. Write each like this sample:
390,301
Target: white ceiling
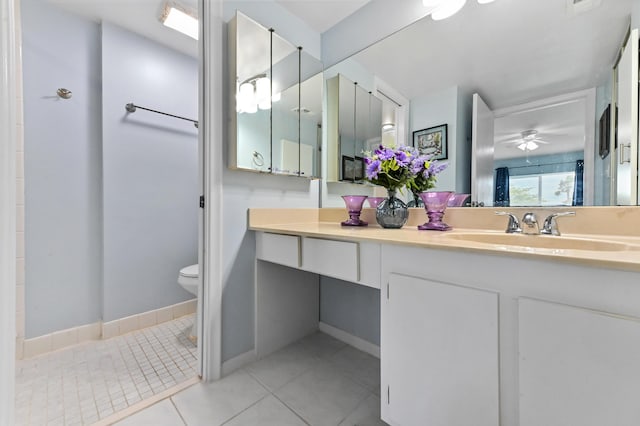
138,16
322,14
509,51
561,125
141,16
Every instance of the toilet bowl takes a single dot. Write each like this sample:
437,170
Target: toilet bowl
188,279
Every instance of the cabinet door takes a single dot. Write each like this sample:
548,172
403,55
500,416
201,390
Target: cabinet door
439,354
577,366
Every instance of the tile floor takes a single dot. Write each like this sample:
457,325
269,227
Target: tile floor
90,381
315,381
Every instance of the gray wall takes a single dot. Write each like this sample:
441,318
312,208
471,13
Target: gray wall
149,162
244,190
150,169
447,106
351,307
63,224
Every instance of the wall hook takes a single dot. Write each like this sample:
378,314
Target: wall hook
64,93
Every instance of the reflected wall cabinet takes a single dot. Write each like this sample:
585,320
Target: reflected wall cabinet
354,126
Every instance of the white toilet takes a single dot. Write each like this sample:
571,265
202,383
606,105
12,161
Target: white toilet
188,279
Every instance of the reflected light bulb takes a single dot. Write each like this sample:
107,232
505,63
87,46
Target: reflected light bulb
263,89
251,108
245,97
264,104
447,9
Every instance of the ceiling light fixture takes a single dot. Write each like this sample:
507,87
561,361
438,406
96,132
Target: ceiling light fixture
181,19
387,127
443,9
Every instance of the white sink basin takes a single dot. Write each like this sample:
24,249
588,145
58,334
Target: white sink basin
543,241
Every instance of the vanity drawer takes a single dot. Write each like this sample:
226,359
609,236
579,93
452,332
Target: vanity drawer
277,248
338,259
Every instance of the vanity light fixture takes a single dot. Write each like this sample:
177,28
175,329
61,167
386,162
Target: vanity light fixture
446,9
181,19
388,127
253,94
443,9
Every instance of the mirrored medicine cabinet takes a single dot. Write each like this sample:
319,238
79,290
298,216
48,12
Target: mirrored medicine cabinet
275,102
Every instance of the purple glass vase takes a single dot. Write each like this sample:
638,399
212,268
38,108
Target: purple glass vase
435,203
354,206
457,200
375,201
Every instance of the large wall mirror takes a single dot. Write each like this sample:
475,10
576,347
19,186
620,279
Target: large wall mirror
354,126
276,108
514,54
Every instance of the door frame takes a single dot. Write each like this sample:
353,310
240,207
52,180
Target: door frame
210,140
589,97
8,135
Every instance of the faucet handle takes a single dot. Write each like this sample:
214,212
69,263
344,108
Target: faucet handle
514,224
550,226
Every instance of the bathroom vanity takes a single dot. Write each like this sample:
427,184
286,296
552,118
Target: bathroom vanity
472,333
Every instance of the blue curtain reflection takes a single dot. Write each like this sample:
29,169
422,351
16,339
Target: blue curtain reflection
501,190
578,184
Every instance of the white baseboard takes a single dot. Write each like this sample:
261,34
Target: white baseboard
28,348
350,339
237,362
147,319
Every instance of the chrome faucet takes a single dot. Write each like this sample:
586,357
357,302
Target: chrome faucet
550,226
530,222
513,227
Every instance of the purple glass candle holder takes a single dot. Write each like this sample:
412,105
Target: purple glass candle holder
435,203
354,206
457,200
375,201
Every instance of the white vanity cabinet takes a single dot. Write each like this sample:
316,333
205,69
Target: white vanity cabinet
577,366
470,338
278,248
287,282
440,356
474,339
357,262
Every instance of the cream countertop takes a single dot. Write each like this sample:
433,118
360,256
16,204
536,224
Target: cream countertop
615,224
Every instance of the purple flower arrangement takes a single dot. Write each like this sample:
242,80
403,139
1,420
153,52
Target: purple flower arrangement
394,168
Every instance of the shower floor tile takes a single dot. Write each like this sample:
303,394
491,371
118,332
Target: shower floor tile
91,381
